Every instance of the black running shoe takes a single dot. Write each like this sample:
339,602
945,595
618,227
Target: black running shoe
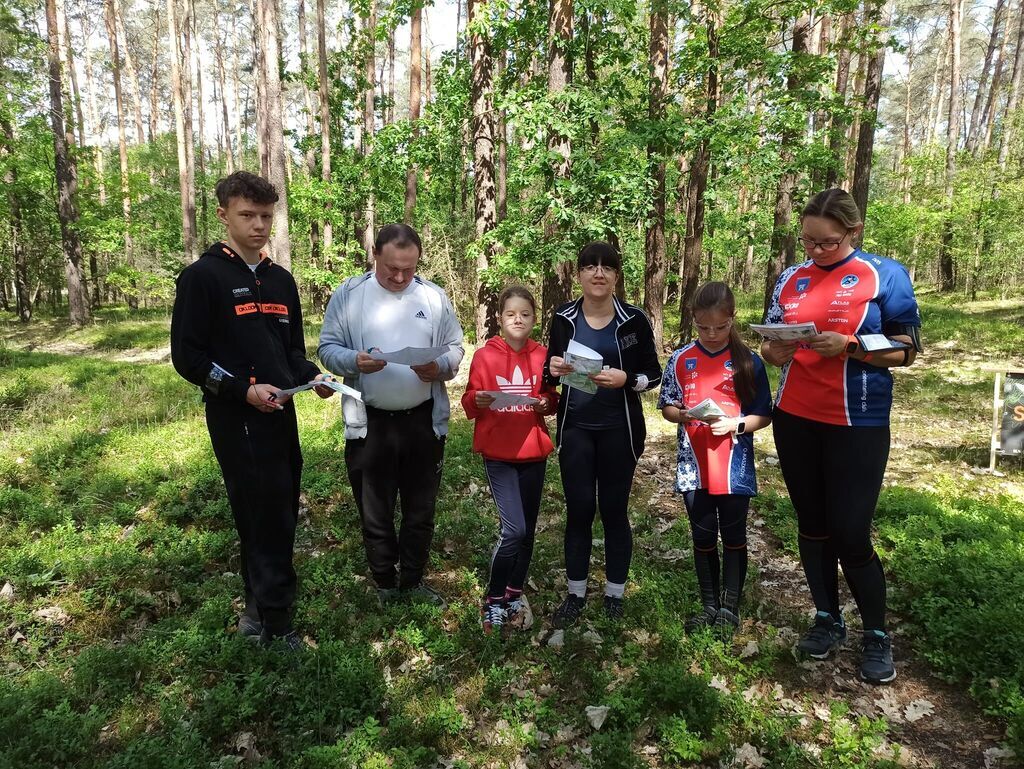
823,637
289,642
613,608
249,629
876,665
568,613
705,619
726,623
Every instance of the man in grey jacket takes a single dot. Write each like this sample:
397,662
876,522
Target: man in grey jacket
394,438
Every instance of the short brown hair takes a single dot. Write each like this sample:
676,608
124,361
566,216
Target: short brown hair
242,184
835,204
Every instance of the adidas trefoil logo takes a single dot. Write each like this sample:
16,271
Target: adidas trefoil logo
421,314
517,386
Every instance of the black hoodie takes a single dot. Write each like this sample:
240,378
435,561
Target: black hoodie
230,319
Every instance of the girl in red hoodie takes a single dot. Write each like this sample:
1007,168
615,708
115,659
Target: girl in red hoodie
515,444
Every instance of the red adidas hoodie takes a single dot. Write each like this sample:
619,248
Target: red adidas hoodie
517,433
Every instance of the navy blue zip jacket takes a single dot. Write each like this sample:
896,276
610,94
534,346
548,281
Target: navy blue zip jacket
638,357
232,327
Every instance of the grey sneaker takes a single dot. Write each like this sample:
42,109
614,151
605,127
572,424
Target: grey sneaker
568,613
519,614
823,637
423,593
876,665
388,595
249,629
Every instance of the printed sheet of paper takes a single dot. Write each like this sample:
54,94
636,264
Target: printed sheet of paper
410,356
503,400
586,362
338,387
706,408
786,332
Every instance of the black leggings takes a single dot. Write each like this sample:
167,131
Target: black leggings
710,514
516,488
597,467
834,474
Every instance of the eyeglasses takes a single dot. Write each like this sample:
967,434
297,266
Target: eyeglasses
591,269
825,245
713,329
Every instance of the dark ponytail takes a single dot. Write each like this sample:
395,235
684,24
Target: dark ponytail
718,296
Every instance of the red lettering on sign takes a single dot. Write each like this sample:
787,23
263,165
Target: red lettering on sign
246,309
274,309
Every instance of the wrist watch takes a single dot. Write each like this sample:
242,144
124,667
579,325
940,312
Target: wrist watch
852,344
741,427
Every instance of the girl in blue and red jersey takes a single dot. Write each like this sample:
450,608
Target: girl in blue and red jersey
515,444
715,466
832,414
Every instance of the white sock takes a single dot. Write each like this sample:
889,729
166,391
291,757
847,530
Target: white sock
614,590
578,588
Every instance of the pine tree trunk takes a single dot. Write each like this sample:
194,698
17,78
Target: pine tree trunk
853,131
558,277
1014,98
502,171
181,122
993,42
307,97
99,161
484,208
229,155
66,175
69,62
154,76
17,239
130,70
945,256
415,75
325,123
988,117
907,146
122,142
656,258
201,188
391,77
880,14
783,240
273,140
837,129
369,127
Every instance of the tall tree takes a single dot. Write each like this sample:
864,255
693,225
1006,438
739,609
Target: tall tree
879,12
122,142
131,71
839,122
696,185
196,65
973,129
182,131
69,61
1014,98
369,125
415,76
66,174
218,52
656,258
945,256
273,139
484,208
783,241
325,121
15,220
558,277
307,97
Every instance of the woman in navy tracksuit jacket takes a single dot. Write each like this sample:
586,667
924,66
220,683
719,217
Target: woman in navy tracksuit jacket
600,436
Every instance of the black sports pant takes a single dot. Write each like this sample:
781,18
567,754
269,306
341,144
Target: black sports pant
516,488
260,459
834,475
400,458
597,469
710,514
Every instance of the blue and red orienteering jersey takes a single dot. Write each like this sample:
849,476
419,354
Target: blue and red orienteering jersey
863,294
704,460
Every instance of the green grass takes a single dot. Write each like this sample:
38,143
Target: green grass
113,510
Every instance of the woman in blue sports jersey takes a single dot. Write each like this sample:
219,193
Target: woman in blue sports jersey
715,470
831,419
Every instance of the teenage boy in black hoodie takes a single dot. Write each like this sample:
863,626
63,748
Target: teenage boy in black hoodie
236,333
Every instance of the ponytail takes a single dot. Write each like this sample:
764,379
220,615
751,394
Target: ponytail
718,296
